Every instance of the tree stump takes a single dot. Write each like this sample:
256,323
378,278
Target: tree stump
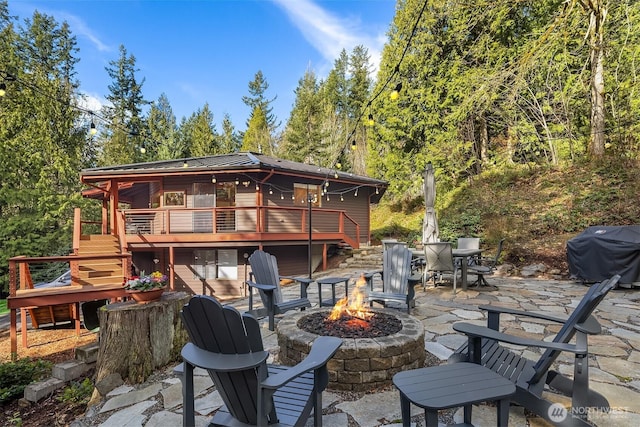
136,339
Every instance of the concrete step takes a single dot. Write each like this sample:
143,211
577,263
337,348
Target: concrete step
87,353
61,374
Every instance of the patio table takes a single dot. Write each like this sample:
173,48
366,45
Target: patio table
333,281
450,386
464,255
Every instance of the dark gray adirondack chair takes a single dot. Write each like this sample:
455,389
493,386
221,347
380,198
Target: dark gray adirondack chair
395,274
229,346
264,271
530,377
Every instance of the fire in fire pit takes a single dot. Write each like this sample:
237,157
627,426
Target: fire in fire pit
351,318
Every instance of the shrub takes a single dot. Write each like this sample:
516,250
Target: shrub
15,376
77,392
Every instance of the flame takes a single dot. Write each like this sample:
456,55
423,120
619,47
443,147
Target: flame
354,305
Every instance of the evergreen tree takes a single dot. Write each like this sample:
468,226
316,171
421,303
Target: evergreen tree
204,139
161,142
41,137
125,126
230,142
359,93
257,137
257,101
303,136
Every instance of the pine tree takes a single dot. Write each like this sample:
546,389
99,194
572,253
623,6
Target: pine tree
303,137
257,137
125,127
204,138
161,142
259,104
230,142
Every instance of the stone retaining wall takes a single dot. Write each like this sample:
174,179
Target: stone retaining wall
361,364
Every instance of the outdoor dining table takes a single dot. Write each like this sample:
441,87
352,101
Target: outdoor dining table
464,255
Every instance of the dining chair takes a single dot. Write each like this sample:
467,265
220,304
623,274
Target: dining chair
438,260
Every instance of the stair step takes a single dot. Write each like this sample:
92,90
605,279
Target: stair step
105,280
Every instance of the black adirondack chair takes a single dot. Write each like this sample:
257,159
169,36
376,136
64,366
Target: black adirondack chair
266,279
229,346
395,274
530,377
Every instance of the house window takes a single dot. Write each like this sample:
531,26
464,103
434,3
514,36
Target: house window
215,264
300,192
174,199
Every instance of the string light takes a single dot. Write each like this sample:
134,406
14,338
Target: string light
270,190
92,128
341,198
281,196
353,145
355,193
213,179
370,121
237,181
142,149
395,93
3,89
185,164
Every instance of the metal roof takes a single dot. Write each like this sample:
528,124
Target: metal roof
224,162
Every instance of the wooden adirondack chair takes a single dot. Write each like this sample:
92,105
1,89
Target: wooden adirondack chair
396,270
229,346
264,270
530,377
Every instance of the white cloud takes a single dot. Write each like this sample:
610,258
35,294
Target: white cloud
329,34
91,102
80,28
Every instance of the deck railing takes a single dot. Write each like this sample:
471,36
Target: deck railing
258,219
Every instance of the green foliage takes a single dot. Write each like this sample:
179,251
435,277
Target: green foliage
15,376
77,392
3,307
537,209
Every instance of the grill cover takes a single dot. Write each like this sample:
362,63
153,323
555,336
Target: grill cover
599,252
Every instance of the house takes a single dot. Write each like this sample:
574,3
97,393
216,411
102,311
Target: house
199,219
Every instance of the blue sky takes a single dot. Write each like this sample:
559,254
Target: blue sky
198,51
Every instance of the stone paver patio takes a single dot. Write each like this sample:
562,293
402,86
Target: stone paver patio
614,359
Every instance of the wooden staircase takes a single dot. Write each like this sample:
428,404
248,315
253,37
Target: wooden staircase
107,271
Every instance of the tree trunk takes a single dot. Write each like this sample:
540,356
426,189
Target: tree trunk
598,13
136,339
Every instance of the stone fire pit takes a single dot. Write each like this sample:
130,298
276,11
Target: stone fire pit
360,364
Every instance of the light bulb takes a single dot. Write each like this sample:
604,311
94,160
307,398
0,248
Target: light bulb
377,192
338,165
281,196
92,128
143,150
354,145
3,89
237,181
270,190
355,194
341,198
213,179
395,94
185,164
370,121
